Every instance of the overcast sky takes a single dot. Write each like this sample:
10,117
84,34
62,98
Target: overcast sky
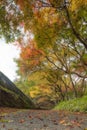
7,54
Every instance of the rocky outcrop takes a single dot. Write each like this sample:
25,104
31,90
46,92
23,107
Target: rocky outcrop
11,96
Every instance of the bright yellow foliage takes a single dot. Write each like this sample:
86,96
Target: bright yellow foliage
47,16
75,4
40,90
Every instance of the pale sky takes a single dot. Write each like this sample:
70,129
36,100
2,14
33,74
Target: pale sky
7,54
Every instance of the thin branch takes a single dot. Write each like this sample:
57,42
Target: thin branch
56,65
79,75
44,3
73,29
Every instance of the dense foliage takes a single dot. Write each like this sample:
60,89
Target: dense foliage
52,36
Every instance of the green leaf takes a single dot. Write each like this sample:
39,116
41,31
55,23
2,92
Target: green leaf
84,57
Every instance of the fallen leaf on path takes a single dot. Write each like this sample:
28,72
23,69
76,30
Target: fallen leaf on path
22,121
62,121
54,120
3,114
3,125
40,118
55,123
67,124
6,121
30,116
31,122
45,125
67,129
76,123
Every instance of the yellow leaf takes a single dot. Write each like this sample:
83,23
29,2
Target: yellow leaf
62,121
76,4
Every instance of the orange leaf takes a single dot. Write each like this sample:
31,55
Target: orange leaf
22,121
62,122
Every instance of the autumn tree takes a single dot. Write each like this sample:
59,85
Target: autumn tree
63,66
58,29
10,17
66,69
71,13
57,25
30,58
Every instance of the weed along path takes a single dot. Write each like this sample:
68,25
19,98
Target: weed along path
14,119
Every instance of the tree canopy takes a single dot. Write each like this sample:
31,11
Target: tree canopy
52,35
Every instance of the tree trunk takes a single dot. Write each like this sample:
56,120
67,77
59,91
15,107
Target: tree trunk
11,96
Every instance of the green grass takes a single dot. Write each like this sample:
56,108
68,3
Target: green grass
75,105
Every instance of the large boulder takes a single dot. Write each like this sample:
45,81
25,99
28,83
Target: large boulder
11,96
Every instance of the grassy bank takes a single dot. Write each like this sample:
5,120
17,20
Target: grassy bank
75,105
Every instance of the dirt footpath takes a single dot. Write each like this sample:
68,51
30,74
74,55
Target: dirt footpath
13,119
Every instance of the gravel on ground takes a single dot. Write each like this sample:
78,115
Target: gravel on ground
16,119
